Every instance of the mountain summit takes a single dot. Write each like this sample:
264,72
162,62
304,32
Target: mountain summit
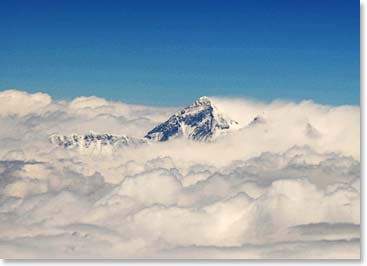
200,121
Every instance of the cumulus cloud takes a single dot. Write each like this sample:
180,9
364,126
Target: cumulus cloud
285,185
21,103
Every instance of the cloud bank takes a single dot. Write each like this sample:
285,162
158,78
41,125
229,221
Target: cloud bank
285,185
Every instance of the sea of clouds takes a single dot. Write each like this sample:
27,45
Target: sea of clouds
287,186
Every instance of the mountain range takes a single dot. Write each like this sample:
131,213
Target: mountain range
200,121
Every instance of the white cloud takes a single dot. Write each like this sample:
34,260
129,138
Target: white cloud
20,103
284,188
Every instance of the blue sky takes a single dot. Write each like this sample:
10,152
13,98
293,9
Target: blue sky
171,52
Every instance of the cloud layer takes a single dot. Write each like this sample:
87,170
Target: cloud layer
286,185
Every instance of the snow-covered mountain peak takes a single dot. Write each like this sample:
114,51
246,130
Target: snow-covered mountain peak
203,100
200,121
94,141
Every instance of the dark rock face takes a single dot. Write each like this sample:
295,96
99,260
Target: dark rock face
165,130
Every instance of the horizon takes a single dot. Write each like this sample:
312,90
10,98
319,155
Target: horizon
211,97
166,53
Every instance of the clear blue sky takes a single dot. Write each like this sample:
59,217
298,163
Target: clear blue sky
171,52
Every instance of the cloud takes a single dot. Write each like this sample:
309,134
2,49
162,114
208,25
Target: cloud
155,187
288,187
20,103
